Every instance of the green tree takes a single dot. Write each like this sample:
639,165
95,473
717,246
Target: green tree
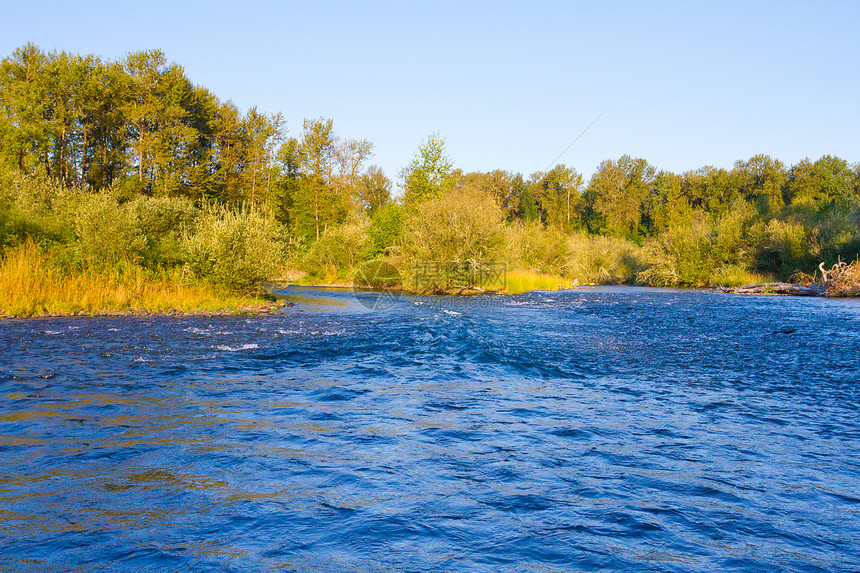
374,190
558,194
761,179
159,122
429,173
462,225
351,157
24,130
616,195
262,134
316,200
820,182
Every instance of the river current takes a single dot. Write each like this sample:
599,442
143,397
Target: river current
606,429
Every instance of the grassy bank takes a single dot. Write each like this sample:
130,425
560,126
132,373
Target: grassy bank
33,283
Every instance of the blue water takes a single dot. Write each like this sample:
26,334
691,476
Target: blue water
590,430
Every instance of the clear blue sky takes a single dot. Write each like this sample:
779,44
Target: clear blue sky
508,84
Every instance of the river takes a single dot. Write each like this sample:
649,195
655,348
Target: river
600,429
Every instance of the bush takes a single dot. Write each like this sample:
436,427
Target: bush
162,222
702,251
453,239
460,225
339,249
37,207
238,249
106,231
385,230
785,247
603,260
531,246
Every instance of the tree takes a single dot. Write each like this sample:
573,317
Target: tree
557,194
820,182
142,109
429,173
374,190
261,134
462,225
105,142
351,156
761,179
499,184
616,195
24,131
316,195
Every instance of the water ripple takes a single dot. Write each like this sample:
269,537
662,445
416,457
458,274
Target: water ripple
591,430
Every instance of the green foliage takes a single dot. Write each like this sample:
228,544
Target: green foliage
37,207
701,251
374,191
596,259
458,226
238,249
456,234
557,197
107,231
377,274
385,230
430,172
162,222
618,195
108,162
341,248
531,246
784,247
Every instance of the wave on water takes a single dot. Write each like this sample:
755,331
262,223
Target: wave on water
226,348
628,430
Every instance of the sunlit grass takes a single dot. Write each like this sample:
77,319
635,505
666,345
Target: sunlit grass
520,281
32,283
736,275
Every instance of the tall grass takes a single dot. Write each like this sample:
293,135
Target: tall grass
32,282
520,281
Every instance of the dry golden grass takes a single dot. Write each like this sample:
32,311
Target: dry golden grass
31,284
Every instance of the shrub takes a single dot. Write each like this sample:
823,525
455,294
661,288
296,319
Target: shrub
701,251
449,240
603,260
339,249
385,229
37,207
460,225
784,247
238,249
106,231
162,223
532,246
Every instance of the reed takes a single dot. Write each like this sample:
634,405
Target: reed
33,283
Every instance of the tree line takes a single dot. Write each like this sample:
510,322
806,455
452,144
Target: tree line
139,127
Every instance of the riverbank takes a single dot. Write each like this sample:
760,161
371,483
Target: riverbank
34,285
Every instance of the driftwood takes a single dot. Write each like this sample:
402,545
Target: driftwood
812,289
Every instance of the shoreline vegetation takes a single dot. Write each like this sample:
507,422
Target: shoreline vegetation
33,285
127,188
